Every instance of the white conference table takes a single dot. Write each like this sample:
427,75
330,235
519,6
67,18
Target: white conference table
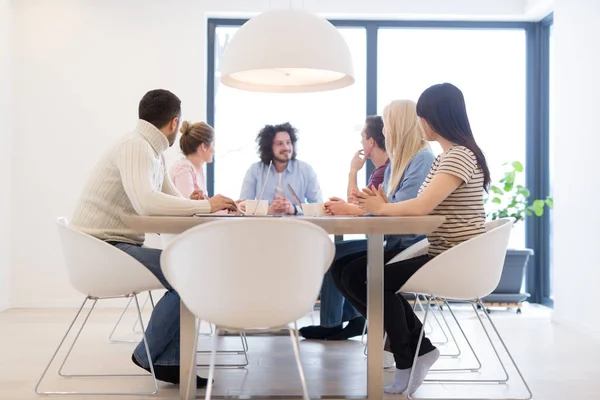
374,227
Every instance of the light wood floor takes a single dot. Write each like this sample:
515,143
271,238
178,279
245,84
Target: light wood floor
557,362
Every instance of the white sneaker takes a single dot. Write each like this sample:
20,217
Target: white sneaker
388,360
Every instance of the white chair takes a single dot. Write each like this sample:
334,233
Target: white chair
249,273
466,273
100,271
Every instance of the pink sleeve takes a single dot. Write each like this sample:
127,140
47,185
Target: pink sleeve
183,177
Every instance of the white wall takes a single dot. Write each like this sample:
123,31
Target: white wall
80,68
577,139
5,151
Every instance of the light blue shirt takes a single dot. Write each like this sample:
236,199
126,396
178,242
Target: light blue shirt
413,177
298,174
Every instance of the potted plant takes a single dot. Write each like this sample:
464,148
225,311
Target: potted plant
507,198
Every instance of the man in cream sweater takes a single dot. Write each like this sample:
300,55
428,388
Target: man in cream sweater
131,178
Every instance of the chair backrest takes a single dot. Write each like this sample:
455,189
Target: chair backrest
468,271
418,249
99,269
249,272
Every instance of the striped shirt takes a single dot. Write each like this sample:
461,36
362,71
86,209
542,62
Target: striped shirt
463,208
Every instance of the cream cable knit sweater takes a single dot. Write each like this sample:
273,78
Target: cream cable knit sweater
131,179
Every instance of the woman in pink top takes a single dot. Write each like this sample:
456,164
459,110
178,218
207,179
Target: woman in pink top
198,146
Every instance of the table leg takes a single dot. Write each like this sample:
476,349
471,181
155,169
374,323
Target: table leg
375,316
187,332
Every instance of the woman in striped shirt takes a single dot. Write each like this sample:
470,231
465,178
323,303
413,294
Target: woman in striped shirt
454,189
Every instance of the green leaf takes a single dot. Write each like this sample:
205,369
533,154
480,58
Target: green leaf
529,213
550,202
497,200
523,191
496,190
517,166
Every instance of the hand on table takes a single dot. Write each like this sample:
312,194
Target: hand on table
281,205
220,202
371,200
197,194
336,206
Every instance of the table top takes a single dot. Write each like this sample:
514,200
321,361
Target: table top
338,225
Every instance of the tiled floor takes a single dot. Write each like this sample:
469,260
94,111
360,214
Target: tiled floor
558,363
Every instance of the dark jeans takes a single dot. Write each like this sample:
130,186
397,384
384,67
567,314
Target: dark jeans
399,320
334,309
162,331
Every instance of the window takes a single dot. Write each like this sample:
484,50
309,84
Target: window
488,65
551,152
328,123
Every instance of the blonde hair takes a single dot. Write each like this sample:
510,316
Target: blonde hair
193,135
403,137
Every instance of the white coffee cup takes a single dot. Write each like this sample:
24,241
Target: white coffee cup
255,207
313,209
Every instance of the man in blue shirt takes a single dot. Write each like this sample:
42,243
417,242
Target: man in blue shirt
269,178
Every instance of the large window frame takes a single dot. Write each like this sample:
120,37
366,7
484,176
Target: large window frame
537,132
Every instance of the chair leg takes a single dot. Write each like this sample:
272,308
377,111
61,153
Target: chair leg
143,306
294,337
475,369
211,369
452,338
505,348
417,302
110,337
92,375
362,337
474,304
244,351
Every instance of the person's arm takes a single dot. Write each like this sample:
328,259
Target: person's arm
136,164
248,191
455,169
183,179
355,165
313,189
413,177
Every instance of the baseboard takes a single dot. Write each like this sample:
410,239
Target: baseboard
576,325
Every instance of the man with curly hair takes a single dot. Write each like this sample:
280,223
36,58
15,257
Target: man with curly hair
278,167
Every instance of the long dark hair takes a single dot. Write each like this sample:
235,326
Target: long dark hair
443,107
265,138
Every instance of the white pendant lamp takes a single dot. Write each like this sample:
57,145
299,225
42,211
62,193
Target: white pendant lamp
287,51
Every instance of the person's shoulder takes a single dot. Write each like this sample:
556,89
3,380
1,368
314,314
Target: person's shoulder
302,165
423,157
255,167
181,164
133,139
462,150
461,154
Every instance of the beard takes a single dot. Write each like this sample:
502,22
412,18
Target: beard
283,158
171,138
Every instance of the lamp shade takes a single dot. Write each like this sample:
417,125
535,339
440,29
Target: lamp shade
287,51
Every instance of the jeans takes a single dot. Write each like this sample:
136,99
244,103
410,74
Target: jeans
400,322
334,308
162,332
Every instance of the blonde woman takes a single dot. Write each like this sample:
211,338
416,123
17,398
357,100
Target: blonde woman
197,145
410,159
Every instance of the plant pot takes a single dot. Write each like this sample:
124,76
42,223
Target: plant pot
511,280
